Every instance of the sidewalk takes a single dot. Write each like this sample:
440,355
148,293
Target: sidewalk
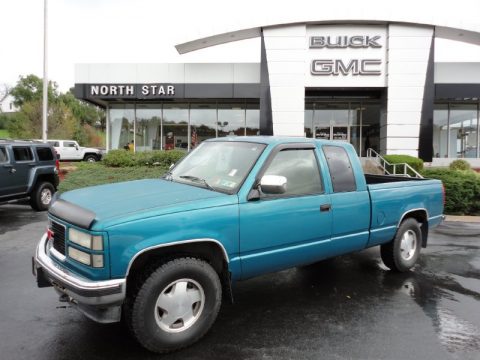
460,226
468,219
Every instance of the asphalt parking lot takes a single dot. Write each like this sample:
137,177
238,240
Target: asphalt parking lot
346,308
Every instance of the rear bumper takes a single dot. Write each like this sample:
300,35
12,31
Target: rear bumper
99,300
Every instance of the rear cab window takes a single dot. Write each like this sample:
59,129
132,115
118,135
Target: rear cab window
44,154
341,172
22,153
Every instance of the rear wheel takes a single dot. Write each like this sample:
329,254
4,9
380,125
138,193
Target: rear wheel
41,196
175,306
402,252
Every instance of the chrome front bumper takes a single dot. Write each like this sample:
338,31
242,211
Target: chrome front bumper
99,300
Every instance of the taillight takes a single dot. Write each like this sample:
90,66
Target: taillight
57,162
443,194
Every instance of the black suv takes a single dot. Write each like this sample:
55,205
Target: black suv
28,169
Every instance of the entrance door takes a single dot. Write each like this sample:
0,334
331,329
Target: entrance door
357,122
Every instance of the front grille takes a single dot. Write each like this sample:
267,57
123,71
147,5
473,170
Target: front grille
58,237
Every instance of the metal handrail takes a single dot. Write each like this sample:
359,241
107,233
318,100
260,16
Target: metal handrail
384,164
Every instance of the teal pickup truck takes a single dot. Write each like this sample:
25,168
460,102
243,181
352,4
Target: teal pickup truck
162,253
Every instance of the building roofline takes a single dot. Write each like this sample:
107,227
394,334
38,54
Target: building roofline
467,34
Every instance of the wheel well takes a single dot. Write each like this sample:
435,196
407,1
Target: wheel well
422,218
207,251
88,154
44,178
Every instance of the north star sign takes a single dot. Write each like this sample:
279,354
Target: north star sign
131,90
328,66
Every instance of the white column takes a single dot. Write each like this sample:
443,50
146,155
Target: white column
286,49
408,56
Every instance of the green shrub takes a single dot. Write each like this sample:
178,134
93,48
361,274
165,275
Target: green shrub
460,164
414,162
119,158
123,158
91,174
462,190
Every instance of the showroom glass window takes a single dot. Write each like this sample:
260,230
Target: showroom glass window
252,120
456,130
121,122
231,120
463,130
203,123
148,127
182,126
175,126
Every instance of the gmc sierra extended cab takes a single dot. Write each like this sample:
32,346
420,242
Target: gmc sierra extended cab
161,252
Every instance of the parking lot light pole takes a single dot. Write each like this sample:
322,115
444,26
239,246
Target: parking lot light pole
45,77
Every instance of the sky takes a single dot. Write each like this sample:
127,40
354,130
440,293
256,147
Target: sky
146,31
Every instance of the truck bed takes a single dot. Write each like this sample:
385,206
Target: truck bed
393,196
380,179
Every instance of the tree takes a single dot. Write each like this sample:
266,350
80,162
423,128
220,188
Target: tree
30,88
68,117
4,92
86,113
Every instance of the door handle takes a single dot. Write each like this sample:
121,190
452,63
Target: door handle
325,207
13,171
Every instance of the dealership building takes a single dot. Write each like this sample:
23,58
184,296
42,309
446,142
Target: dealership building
375,84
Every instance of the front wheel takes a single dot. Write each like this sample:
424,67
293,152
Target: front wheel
402,252
176,305
91,158
41,196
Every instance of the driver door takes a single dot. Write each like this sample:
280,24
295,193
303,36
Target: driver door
285,230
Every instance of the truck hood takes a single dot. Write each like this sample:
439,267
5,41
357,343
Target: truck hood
128,201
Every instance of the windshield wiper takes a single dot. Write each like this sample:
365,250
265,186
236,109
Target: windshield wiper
194,178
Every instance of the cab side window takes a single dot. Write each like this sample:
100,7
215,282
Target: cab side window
341,172
22,153
68,144
3,155
44,154
300,167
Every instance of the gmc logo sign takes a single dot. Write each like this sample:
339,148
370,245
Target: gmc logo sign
338,67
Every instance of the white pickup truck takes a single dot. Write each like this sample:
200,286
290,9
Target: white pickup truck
70,150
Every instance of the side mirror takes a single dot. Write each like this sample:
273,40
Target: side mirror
273,184
76,147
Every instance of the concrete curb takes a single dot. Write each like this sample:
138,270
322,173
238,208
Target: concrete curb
468,219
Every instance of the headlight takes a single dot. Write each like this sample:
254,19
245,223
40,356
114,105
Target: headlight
94,242
85,258
80,256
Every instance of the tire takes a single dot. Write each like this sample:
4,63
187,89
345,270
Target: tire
175,306
90,158
41,196
402,252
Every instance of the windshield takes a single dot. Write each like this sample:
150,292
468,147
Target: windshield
220,166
